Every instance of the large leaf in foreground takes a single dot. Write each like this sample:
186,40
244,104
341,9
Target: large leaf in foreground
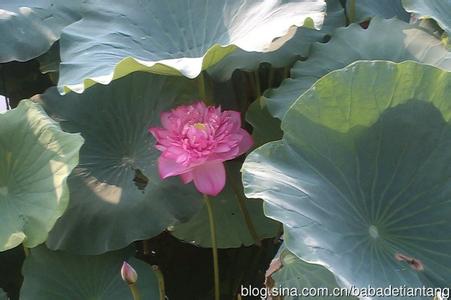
36,157
361,176
297,47
117,196
3,295
56,275
232,228
179,37
405,42
29,28
439,10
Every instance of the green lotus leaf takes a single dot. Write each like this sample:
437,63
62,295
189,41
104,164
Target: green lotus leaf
363,10
179,37
292,275
298,46
231,228
29,28
36,157
56,275
360,178
355,43
117,196
49,63
439,10
3,295
266,128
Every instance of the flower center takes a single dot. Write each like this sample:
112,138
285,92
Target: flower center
200,126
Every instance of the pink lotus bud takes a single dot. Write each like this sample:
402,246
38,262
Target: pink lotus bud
195,140
128,274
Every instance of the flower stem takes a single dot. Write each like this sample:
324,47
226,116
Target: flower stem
135,292
202,86
214,248
26,250
160,278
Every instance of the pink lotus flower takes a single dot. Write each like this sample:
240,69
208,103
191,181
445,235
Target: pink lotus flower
195,141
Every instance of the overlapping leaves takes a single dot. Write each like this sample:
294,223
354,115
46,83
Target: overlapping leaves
36,157
117,196
239,221
173,37
405,42
29,28
292,275
439,10
52,275
363,10
297,47
360,179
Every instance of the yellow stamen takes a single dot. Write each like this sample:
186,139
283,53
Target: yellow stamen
200,126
